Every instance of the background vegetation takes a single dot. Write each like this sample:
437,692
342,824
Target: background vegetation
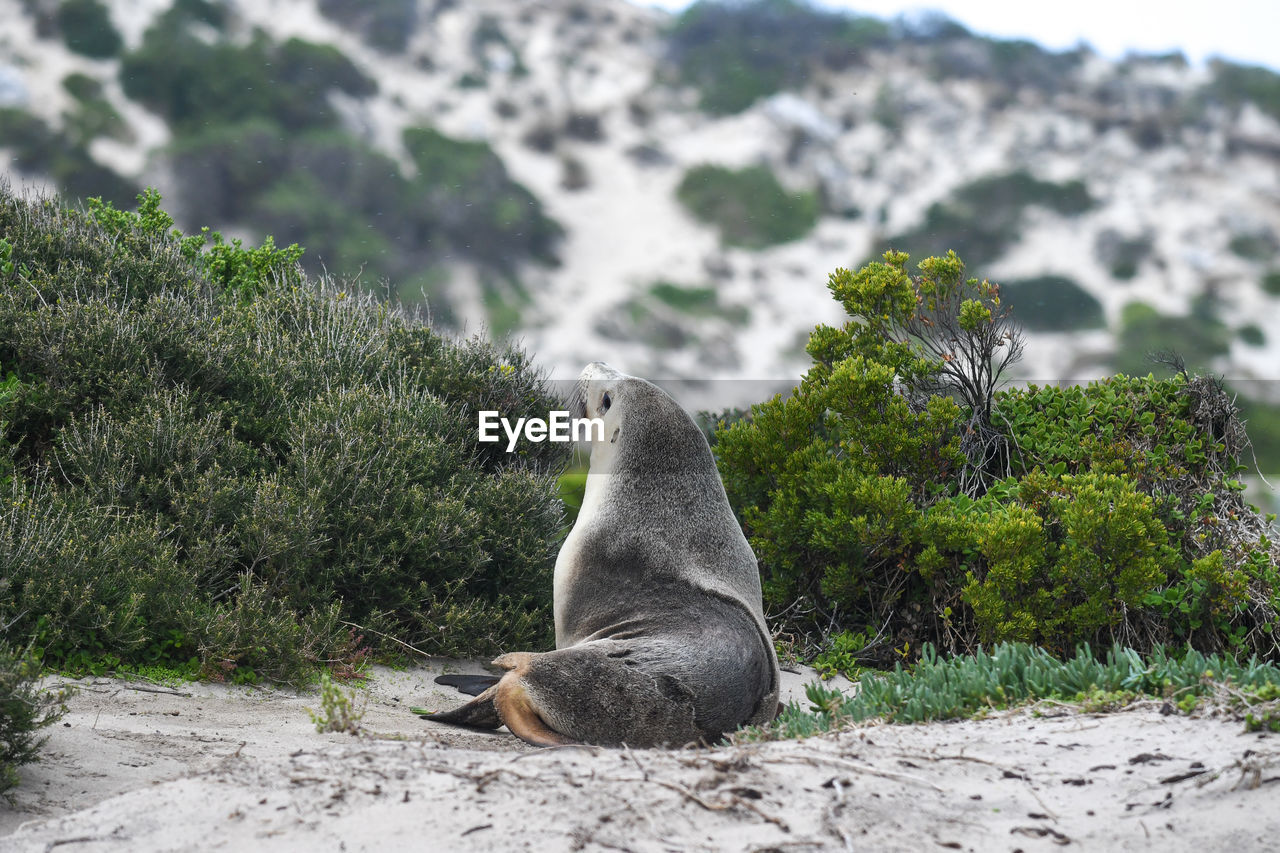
896,499
982,218
748,205
24,710
213,463
276,161
736,53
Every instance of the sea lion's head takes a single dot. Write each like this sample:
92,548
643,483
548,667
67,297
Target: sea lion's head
599,390
640,419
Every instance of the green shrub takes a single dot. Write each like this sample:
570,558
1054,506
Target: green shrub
697,302
214,458
385,24
983,218
93,115
830,483
896,492
357,212
1234,84
737,52
1011,674
24,710
1065,559
1258,246
1009,63
87,29
475,203
1271,282
1252,334
1146,334
1264,433
1052,303
257,147
82,87
1181,441
338,711
195,84
748,205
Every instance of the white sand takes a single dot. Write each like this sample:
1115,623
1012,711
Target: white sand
215,767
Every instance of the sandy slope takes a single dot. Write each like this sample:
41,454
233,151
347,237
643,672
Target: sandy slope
214,767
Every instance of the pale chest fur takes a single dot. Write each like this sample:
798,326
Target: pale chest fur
568,562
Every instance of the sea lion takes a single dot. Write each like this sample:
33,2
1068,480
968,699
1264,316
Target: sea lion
660,633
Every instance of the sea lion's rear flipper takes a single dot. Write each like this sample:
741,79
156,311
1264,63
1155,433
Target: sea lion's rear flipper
515,709
472,685
479,713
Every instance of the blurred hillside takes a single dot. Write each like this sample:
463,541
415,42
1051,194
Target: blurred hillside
670,192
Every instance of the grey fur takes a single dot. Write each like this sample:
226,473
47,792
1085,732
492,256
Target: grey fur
660,635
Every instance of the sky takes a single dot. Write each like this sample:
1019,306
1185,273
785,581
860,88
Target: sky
1241,30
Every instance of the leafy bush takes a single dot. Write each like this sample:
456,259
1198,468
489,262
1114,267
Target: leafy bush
24,710
477,205
1264,432
87,29
1011,63
737,52
353,206
748,205
1011,674
1252,334
1271,282
257,146
195,84
385,24
1065,556
1053,303
983,217
93,115
697,301
1198,338
338,711
1254,246
214,458
1234,84
896,492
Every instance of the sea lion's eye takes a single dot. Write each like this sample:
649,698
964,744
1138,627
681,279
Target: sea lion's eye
604,403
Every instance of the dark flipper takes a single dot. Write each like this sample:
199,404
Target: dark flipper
472,685
479,713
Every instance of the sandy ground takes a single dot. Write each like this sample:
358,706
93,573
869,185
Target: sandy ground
215,767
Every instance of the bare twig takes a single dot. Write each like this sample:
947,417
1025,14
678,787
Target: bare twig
385,637
810,758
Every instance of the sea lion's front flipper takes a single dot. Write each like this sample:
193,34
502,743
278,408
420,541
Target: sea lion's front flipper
472,685
479,713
